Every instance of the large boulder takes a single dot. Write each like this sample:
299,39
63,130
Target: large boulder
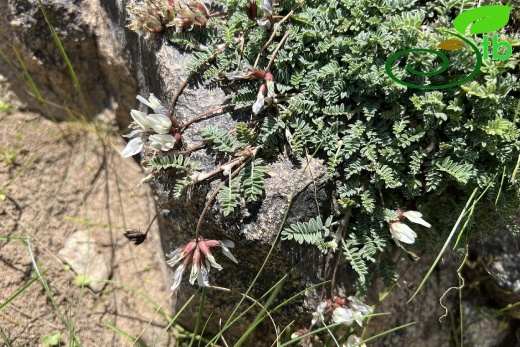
96,48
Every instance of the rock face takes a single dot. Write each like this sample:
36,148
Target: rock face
94,46
113,65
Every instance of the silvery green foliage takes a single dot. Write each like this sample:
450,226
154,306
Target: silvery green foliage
389,146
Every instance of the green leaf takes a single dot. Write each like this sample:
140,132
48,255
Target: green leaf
228,197
485,19
82,280
53,339
253,180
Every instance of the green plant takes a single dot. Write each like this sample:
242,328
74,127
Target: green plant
53,339
315,79
6,107
390,146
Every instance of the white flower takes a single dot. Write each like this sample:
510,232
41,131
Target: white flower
343,315
402,232
162,142
138,136
416,217
357,305
318,315
154,103
160,123
354,341
135,145
202,277
359,309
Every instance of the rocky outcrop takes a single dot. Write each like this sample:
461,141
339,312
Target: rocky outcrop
113,65
96,47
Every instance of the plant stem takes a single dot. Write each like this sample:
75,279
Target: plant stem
344,227
274,32
194,119
214,195
280,44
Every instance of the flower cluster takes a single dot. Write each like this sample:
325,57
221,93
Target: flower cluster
344,310
402,232
150,129
197,253
153,16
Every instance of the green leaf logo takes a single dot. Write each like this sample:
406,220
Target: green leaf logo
485,19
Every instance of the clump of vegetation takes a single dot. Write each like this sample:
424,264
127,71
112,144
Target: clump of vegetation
314,76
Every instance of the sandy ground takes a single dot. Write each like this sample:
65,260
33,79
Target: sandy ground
74,182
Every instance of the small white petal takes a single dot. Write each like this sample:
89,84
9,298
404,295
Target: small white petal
134,133
356,305
258,105
194,273
318,315
270,89
162,142
225,244
177,276
140,118
143,100
343,315
176,257
265,24
160,123
212,261
133,147
267,6
402,232
321,307
152,101
416,217
174,253
353,340
203,278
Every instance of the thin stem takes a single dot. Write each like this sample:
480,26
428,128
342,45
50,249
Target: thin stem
274,32
280,44
185,83
214,195
191,149
344,227
179,91
194,119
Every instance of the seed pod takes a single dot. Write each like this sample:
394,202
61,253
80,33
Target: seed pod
135,236
251,10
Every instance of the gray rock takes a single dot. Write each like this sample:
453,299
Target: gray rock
79,252
500,252
94,47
